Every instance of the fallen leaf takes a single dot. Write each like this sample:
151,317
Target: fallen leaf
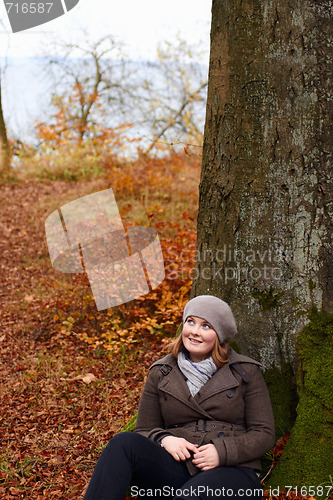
14,491
89,377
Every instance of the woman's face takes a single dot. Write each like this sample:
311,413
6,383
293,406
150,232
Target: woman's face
198,338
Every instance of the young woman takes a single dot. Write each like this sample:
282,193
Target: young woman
204,420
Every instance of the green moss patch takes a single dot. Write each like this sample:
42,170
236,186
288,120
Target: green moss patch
268,299
281,385
308,457
235,346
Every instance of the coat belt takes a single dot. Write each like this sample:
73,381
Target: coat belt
202,425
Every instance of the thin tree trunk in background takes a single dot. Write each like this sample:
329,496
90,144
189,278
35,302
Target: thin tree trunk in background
265,209
4,145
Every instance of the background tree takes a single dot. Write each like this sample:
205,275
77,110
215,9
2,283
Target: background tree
265,209
97,84
4,144
91,80
176,91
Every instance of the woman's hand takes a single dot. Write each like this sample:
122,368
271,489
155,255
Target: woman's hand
179,448
206,457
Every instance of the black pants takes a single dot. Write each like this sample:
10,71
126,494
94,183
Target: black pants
131,459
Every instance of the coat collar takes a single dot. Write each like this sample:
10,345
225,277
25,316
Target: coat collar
234,357
175,385
174,382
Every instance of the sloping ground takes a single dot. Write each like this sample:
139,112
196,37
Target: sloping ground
60,403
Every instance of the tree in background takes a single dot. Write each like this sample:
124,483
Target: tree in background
265,209
97,84
104,104
176,92
91,80
4,144
5,154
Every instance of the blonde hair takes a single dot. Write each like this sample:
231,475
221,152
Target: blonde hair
219,352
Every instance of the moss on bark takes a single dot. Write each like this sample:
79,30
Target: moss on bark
282,390
308,457
268,299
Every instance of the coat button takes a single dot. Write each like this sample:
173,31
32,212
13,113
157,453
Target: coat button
221,434
230,393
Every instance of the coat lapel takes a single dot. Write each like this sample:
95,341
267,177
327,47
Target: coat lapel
221,381
224,378
175,384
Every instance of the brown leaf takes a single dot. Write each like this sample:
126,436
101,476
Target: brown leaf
14,491
89,377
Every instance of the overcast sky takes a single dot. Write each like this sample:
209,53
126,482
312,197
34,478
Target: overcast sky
140,24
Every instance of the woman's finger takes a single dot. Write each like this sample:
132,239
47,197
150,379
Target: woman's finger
204,447
191,446
198,460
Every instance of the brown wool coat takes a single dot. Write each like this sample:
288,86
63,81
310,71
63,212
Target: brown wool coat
232,410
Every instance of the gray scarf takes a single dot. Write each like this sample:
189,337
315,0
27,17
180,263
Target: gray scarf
197,374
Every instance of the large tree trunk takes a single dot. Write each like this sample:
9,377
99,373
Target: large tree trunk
4,145
265,209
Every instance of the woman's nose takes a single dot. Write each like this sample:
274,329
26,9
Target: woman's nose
195,329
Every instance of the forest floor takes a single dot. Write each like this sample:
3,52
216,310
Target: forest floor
61,401
61,398
63,391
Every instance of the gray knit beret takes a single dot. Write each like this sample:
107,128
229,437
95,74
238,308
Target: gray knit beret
216,312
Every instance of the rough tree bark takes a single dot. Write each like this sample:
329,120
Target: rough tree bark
265,208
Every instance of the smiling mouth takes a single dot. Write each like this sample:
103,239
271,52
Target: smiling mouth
194,341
